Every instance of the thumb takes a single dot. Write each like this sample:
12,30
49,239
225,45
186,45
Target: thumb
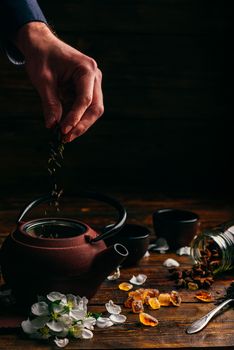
51,104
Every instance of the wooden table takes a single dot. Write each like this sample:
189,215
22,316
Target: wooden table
170,333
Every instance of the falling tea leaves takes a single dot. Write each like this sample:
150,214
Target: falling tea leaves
56,149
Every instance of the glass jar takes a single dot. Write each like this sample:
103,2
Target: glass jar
215,248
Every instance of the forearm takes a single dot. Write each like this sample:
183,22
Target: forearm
14,14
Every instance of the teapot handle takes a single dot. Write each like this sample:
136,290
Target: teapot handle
109,231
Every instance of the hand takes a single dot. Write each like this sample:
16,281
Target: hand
68,82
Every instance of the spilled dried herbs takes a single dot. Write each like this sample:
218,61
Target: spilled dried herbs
199,276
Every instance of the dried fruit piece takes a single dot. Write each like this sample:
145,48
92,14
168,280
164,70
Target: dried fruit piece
148,320
125,286
154,303
150,293
137,306
137,294
128,302
175,298
164,299
139,290
204,296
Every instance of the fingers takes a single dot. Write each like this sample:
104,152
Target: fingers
83,80
92,113
52,107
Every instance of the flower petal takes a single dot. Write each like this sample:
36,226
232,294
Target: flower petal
40,321
61,343
171,263
28,327
183,251
113,308
139,279
72,301
89,323
147,254
40,309
86,333
55,326
82,304
66,320
77,314
54,296
104,322
118,318
58,308
160,245
115,275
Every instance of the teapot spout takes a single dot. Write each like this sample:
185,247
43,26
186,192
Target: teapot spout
108,260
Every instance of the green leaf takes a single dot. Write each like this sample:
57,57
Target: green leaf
94,314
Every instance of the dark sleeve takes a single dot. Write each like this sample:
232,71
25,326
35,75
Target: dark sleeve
13,15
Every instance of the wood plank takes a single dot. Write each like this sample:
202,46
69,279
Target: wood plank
170,333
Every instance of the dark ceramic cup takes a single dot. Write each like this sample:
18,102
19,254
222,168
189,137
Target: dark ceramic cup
177,226
135,238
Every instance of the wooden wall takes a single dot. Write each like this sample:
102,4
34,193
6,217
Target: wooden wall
167,85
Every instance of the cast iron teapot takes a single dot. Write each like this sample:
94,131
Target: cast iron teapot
75,261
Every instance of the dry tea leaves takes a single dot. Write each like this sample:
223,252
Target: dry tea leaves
147,319
56,149
125,286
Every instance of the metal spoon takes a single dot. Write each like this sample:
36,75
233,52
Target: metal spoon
198,325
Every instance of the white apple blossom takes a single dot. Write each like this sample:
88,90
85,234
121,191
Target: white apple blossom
61,316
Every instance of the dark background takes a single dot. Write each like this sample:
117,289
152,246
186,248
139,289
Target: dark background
167,70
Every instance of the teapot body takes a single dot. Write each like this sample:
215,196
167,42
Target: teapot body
59,254
33,265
